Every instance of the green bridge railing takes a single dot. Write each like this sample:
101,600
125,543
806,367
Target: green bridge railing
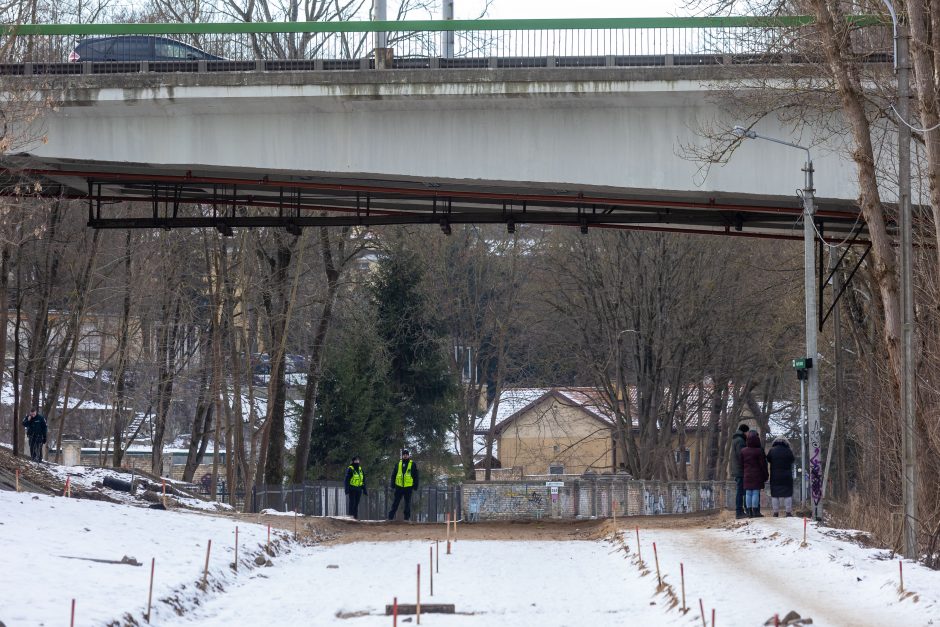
629,41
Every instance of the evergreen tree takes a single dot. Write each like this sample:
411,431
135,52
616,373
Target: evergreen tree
352,415
421,384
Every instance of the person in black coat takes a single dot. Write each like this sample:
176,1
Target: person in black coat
404,480
738,442
754,468
780,457
355,485
35,424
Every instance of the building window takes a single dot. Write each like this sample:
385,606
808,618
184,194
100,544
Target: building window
556,469
682,457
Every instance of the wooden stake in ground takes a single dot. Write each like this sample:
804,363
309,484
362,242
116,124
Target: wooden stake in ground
205,571
153,563
17,479
269,539
713,617
394,611
447,525
701,607
418,601
72,624
295,524
65,490
804,531
455,525
901,572
437,554
431,567
164,492
236,549
638,554
682,577
659,577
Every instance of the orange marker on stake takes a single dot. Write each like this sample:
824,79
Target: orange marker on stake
394,611
17,479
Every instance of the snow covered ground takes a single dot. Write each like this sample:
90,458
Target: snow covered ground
746,572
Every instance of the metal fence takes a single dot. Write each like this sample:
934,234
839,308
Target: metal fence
426,44
327,498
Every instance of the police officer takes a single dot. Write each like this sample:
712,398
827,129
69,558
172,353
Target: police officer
404,480
355,487
35,424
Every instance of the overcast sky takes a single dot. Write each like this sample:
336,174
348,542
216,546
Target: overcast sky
519,9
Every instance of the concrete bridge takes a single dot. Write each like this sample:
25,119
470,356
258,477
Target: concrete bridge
602,146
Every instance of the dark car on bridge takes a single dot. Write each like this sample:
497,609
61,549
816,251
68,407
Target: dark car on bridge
137,48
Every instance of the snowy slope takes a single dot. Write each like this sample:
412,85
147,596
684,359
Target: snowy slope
746,572
39,535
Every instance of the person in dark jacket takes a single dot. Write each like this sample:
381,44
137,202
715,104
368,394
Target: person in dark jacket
754,466
404,480
355,485
781,461
738,442
35,424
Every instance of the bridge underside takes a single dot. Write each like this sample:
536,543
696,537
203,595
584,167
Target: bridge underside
123,195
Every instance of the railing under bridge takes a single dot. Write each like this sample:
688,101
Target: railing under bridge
539,43
327,498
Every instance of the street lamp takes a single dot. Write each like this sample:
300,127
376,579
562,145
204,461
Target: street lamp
811,421
909,479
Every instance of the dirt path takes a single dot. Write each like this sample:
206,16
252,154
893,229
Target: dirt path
343,530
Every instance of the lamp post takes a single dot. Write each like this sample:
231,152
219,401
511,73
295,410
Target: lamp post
809,287
902,68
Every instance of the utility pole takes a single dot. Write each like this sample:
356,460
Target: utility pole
814,432
909,494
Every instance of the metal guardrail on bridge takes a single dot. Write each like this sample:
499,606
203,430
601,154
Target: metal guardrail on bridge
586,42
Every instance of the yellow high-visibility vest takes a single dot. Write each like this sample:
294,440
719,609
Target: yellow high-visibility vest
404,479
356,479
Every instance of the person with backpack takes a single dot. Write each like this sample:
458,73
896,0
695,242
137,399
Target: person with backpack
781,460
355,485
754,466
35,424
404,480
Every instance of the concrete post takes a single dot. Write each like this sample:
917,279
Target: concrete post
447,6
812,382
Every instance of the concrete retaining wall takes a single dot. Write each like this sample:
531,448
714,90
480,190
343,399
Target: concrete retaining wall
594,497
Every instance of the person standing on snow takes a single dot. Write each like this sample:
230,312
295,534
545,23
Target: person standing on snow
754,466
781,461
35,424
404,480
355,485
738,442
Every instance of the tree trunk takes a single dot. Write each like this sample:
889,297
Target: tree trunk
117,419
314,369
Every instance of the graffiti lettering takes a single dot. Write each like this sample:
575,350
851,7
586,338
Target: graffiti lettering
680,501
653,502
535,499
816,475
706,498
